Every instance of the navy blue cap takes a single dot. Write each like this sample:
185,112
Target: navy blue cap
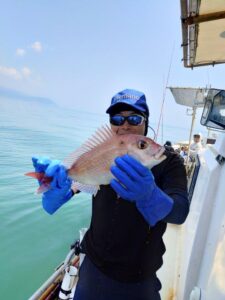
129,99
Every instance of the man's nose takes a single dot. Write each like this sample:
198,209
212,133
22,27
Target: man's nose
125,125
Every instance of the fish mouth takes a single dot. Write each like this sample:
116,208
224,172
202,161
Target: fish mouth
159,153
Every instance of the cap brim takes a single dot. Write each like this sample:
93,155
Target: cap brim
117,107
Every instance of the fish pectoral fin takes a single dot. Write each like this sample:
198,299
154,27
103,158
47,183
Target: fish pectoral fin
43,188
86,188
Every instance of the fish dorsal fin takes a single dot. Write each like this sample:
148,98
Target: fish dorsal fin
100,136
90,189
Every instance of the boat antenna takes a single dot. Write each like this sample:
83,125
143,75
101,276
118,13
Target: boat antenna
164,92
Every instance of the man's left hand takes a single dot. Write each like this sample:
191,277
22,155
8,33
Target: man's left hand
135,182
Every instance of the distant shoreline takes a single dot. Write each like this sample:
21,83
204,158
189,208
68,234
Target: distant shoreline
17,95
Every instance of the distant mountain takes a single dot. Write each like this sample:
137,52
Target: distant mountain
15,95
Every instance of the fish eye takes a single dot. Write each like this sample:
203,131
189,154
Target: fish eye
142,144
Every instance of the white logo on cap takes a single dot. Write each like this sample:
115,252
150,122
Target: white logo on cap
125,96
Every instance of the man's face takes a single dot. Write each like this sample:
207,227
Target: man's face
126,127
196,139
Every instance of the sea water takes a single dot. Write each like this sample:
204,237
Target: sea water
33,243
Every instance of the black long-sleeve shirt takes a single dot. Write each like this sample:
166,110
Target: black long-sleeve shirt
119,241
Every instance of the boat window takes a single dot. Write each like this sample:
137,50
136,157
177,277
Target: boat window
213,115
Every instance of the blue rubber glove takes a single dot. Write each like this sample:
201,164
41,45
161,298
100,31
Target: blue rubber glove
136,183
60,191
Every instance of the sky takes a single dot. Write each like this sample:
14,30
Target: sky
80,53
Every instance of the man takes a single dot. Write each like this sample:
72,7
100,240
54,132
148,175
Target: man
168,146
196,146
124,245
184,152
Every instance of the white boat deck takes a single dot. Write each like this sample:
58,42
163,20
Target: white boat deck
195,255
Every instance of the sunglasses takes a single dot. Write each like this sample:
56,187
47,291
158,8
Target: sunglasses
134,120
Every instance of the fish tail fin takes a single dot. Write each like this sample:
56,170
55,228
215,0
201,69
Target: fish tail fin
41,177
37,175
43,188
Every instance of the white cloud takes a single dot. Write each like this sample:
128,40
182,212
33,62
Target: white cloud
14,73
20,52
10,72
26,72
37,46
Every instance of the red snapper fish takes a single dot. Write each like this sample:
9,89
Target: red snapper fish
89,165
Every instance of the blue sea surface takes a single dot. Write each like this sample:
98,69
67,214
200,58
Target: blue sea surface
33,243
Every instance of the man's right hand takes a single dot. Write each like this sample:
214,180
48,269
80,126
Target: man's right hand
60,191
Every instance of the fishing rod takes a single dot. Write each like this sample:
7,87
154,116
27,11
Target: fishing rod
164,92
